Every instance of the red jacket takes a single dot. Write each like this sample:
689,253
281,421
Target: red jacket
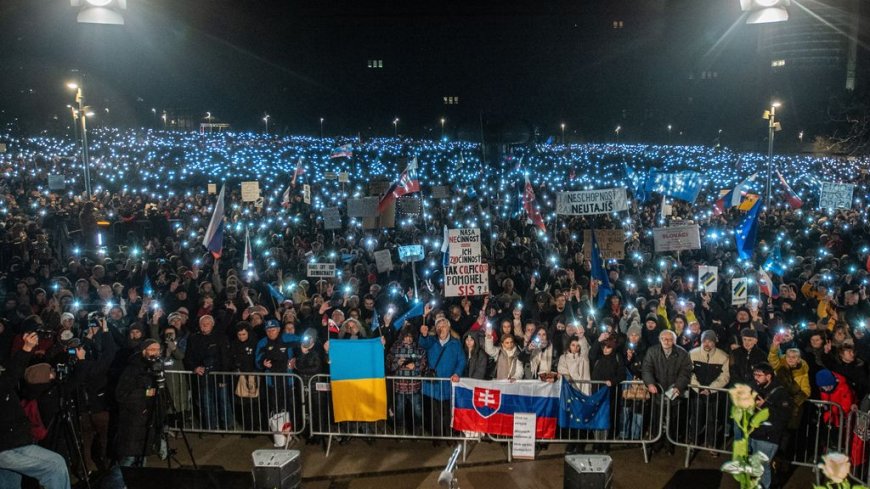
842,396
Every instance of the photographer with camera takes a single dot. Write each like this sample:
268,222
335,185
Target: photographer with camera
136,395
18,455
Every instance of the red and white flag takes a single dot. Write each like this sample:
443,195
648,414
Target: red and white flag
531,208
407,184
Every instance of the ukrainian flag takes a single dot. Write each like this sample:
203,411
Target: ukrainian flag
359,389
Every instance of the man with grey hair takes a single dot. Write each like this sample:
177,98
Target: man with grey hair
667,371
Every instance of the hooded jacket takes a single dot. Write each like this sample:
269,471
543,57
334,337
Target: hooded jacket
476,360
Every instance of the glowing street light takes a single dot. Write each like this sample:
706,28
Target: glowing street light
443,120
266,120
396,127
562,125
164,120
617,131
100,11
84,112
765,11
670,127
321,128
772,128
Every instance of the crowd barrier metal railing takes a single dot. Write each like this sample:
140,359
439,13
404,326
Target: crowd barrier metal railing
635,418
215,402
699,420
410,414
822,429
858,446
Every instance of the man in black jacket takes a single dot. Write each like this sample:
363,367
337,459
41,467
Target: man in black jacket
18,454
773,396
745,357
667,370
136,395
208,352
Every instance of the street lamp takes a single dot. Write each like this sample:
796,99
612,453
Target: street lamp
801,137
772,128
321,128
266,120
563,132
164,120
396,127
443,120
617,131
670,127
83,113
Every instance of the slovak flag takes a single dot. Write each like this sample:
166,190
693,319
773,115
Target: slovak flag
530,207
407,184
300,170
489,406
792,198
214,235
765,284
733,197
343,151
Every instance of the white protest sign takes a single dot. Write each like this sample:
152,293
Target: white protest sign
383,261
212,188
611,242
524,436
56,182
250,191
306,194
331,218
835,195
321,270
411,253
465,273
588,202
739,291
677,238
708,278
343,177
364,207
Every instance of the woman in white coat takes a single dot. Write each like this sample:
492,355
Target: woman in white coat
508,365
574,363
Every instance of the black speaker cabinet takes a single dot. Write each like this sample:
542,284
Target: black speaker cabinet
277,469
588,472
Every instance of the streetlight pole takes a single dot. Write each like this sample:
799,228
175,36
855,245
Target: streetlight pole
772,127
164,120
80,100
670,127
321,128
563,132
396,127
442,128
266,120
617,131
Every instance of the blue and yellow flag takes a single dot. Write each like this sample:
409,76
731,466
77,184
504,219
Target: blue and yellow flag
359,389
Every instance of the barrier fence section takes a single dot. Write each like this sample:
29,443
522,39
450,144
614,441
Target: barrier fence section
410,414
635,418
857,443
699,420
234,402
822,428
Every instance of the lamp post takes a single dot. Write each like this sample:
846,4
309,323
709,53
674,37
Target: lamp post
82,113
617,131
563,132
208,118
164,120
443,120
321,128
772,128
670,127
396,127
266,120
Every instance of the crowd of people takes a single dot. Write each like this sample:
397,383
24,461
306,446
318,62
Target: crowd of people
102,293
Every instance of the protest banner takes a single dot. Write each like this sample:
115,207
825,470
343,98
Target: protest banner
441,192
589,202
465,273
306,194
331,175
343,177
739,291
212,188
677,238
409,206
383,261
364,207
611,242
411,253
524,436
56,182
321,270
250,191
708,278
331,218
835,195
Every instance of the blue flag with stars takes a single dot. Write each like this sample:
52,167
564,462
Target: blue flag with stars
774,263
746,232
582,412
599,273
412,313
375,322
684,185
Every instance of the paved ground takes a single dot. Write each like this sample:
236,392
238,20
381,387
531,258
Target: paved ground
388,464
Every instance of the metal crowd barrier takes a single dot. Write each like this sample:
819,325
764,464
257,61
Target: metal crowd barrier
410,414
635,419
213,403
858,447
700,420
823,428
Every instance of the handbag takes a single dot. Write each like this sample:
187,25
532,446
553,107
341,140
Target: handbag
636,392
248,387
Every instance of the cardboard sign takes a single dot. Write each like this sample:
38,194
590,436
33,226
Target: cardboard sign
343,177
2,147
590,202
677,238
708,278
321,270
441,192
409,206
523,446
739,291
611,242
330,175
383,261
56,182
212,188
836,195
465,273
411,253
331,218
306,194
250,191
364,207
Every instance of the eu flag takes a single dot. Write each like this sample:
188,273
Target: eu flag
746,232
774,263
582,412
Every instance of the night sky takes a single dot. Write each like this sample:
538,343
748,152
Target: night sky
518,66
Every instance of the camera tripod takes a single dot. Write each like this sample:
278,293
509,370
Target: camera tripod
65,424
164,406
